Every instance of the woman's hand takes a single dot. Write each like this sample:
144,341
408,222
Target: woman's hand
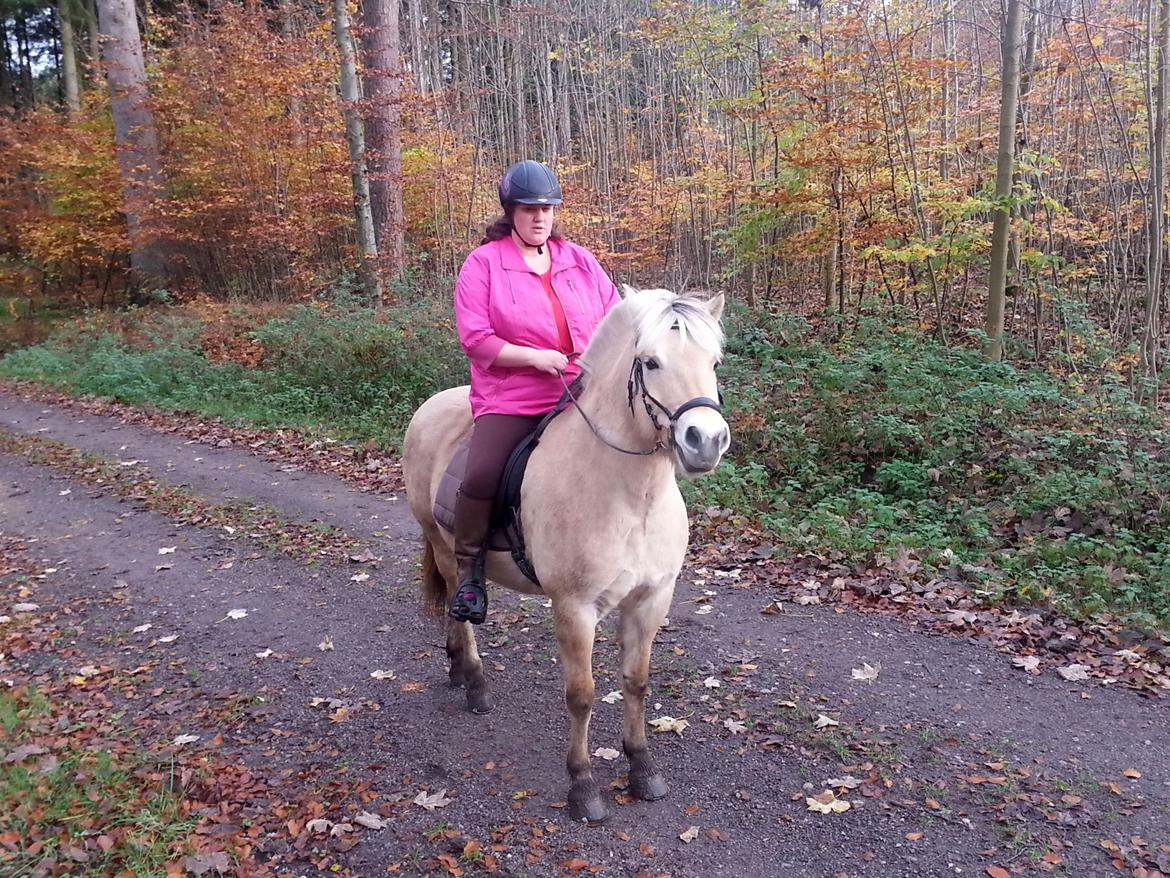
550,362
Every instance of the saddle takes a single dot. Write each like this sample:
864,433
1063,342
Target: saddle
507,533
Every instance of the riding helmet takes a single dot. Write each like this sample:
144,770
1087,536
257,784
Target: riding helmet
529,182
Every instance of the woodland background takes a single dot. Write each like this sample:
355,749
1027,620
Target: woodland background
941,223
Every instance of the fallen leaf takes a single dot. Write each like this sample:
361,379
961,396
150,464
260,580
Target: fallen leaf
1029,663
704,610
201,864
824,722
669,724
867,672
265,654
913,836
235,614
1132,773
319,826
185,739
827,803
607,753
612,698
370,821
170,638
383,675
360,577
734,726
142,629
326,644
167,550
712,683
690,834
1074,673
431,801
24,752
998,872
773,608
25,608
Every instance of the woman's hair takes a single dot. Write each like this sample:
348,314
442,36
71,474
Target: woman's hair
501,227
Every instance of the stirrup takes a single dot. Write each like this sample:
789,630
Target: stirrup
469,603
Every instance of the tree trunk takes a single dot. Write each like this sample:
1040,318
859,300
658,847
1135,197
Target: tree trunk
993,347
356,138
1156,226
418,53
7,94
383,86
69,61
136,139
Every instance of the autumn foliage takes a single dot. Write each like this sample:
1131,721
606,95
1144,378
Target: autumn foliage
829,155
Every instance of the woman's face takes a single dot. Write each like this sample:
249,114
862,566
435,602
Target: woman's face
533,222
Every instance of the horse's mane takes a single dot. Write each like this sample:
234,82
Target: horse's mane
648,315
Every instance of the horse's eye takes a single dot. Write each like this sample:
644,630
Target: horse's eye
651,363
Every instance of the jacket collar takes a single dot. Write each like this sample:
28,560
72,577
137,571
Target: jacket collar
513,260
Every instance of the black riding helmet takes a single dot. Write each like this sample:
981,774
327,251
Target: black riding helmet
529,182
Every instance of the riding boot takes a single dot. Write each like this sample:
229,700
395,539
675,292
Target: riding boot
472,525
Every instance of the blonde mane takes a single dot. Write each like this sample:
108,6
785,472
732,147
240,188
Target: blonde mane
644,317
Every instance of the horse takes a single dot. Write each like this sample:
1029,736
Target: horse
601,512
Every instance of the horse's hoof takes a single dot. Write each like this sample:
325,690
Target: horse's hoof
479,701
648,788
592,811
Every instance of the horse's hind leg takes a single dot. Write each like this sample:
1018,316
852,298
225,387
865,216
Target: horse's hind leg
467,666
637,625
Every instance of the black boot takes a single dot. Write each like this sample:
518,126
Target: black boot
472,524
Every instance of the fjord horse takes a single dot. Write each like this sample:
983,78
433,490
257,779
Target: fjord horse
602,515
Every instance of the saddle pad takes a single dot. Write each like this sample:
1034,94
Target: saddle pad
445,498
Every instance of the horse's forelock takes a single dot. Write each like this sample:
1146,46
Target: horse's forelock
648,315
662,311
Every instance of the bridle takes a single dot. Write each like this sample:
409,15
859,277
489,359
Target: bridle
637,384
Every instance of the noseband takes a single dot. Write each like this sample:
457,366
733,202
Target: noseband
637,384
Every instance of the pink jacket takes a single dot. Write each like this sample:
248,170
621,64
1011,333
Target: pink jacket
499,299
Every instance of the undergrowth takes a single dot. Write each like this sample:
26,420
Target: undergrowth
1033,486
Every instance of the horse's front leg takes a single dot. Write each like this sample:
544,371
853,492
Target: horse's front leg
640,619
576,625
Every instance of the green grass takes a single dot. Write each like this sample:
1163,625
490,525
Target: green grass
102,812
335,371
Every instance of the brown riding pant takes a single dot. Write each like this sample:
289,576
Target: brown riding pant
492,440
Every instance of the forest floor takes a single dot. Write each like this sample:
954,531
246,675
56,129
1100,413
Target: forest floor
834,729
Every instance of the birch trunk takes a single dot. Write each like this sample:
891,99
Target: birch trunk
1151,361
356,139
69,61
993,347
383,82
136,139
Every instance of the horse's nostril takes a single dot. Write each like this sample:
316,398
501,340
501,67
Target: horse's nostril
694,437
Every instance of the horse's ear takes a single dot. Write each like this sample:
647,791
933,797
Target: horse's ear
715,307
628,292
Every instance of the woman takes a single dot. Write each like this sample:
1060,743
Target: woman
526,300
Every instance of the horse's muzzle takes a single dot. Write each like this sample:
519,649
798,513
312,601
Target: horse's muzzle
701,437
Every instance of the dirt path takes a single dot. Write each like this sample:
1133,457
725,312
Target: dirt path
953,761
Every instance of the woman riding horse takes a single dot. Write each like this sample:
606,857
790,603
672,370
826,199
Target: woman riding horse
526,300
603,519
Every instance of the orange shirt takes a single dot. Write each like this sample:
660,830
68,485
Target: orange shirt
563,336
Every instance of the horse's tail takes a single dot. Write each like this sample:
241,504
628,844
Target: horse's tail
434,586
